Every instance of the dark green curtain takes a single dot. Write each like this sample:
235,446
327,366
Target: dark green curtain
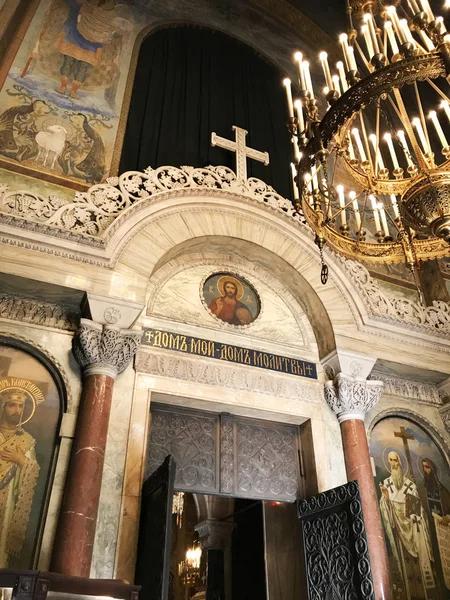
190,82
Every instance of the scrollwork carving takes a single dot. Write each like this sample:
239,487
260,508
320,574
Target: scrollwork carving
104,349
92,212
350,398
30,310
336,550
433,319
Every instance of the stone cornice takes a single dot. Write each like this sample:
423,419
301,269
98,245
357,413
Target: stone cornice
37,312
407,388
165,363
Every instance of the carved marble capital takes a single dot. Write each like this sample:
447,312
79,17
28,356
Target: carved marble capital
445,415
214,535
351,398
104,349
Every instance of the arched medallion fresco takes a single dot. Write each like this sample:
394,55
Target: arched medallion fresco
30,411
231,299
412,479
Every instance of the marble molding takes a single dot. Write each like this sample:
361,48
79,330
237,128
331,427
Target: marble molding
29,310
445,415
406,388
170,364
106,310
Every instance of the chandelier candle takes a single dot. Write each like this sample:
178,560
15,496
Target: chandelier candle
323,56
423,140
391,37
433,116
368,19
445,105
426,40
395,206
366,33
404,144
299,58
341,194
376,216
362,154
336,85
342,78
388,139
299,110
392,13
287,85
383,219
308,81
356,210
378,157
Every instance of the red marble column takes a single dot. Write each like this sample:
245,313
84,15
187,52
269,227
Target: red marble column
72,552
358,466
350,399
102,352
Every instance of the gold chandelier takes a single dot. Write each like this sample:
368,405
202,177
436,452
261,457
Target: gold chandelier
372,174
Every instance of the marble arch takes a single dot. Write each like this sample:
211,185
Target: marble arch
162,230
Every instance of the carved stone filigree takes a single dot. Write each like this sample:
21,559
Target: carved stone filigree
445,414
30,310
166,364
214,535
104,349
350,398
92,212
399,311
406,388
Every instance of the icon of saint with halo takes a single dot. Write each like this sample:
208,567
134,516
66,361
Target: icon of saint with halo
19,469
228,306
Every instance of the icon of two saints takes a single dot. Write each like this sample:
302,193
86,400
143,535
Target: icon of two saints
19,469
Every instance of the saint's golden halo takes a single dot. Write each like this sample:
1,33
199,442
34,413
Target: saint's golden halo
239,287
31,390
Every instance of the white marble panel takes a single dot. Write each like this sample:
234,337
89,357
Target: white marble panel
113,475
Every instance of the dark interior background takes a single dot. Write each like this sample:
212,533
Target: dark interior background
190,82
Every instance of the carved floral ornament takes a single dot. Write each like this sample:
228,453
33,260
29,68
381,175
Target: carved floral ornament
350,398
92,217
104,349
92,212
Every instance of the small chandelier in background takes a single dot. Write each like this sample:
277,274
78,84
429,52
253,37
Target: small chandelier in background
178,507
189,569
372,172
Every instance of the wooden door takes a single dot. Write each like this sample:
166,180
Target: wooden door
155,533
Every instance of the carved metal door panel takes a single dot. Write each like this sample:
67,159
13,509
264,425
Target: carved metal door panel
336,555
155,533
226,454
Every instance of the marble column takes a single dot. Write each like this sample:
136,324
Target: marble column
350,398
103,351
215,536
